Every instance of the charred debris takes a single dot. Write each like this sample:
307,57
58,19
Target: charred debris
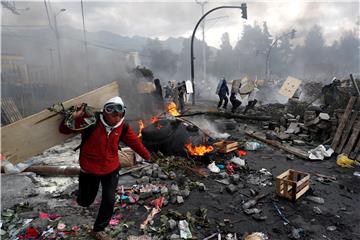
282,171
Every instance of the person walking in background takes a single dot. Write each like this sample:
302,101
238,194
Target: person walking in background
158,94
234,101
222,91
182,91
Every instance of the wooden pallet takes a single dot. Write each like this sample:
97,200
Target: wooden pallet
226,146
346,138
292,184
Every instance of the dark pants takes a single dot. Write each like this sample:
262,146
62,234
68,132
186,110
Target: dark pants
181,103
88,188
251,104
225,99
235,103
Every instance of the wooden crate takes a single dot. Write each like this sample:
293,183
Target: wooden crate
292,184
226,146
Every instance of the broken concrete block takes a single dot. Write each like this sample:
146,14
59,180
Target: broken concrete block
179,199
235,178
172,224
185,193
231,188
324,116
299,142
293,128
223,175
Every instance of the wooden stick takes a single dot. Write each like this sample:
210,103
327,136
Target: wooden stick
297,152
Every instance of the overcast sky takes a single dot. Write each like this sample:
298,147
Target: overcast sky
165,19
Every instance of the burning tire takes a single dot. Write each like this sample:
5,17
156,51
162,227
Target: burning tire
170,136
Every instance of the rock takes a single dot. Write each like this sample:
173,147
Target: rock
315,199
179,199
172,224
317,210
174,189
164,190
175,237
296,233
185,193
155,173
172,175
331,228
155,166
259,217
149,172
293,128
235,178
299,142
283,136
224,181
143,180
201,186
231,188
163,176
324,116
223,175
251,211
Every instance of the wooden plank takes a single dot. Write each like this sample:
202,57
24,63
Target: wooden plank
352,140
297,152
36,133
355,153
346,132
342,124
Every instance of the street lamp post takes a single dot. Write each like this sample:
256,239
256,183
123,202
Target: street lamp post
58,45
267,70
244,15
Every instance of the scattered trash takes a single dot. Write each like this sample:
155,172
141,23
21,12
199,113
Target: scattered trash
142,237
230,168
343,161
315,199
286,221
257,236
184,230
320,152
253,146
357,174
238,161
213,168
331,228
296,233
317,210
152,214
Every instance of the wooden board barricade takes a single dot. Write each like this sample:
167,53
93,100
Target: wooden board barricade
36,133
346,139
226,146
292,184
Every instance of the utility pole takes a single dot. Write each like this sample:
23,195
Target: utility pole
243,8
202,4
52,63
58,46
267,70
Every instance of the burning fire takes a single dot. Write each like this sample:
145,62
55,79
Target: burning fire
141,127
171,108
198,150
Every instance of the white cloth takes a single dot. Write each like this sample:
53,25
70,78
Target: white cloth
109,128
320,152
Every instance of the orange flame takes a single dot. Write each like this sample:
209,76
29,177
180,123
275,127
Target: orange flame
141,127
171,108
198,150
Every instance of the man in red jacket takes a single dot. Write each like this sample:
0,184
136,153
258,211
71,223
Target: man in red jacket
99,159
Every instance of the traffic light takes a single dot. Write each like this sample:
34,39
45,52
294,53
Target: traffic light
244,10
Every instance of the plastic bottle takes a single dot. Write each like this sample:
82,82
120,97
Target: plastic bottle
252,146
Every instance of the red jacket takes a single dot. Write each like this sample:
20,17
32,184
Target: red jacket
99,153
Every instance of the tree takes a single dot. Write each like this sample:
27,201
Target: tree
160,60
224,64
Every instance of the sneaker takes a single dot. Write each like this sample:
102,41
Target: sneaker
100,235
